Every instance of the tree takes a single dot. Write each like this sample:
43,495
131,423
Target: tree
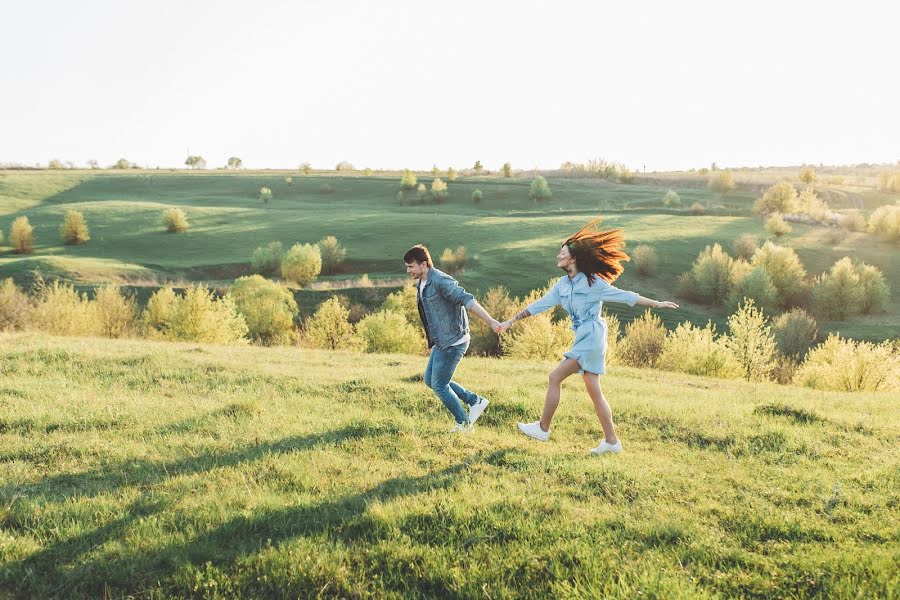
122,164
267,307
408,180
92,163
330,326
333,254
807,175
302,264
265,194
478,167
74,230
235,163
343,166
451,174
55,164
439,190
722,182
540,189
21,236
305,168
175,220
507,169
421,191
752,342
781,197
435,171
195,162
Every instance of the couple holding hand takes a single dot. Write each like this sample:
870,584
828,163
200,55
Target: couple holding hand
592,260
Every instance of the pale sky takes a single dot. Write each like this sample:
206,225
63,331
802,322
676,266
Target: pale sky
666,84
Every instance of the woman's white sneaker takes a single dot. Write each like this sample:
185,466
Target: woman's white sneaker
606,447
534,430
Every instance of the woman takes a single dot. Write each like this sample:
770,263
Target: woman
592,260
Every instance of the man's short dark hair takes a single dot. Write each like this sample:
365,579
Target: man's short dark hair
418,253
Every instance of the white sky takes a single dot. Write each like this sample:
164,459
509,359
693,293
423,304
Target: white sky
664,84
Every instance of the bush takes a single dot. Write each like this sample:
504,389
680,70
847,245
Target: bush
643,343
14,306
330,327
507,170
451,261
721,182
408,180
60,310
853,221
389,332
421,192
885,221
404,301
305,168
326,188
477,196
539,190
776,225
302,264
807,175
175,221
889,182
160,312
117,315
697,209
367,172
756,285
781,197
751,342
344,166
74,230
439,190
537,337
268,309
710,278
835,236
21,236
498,304
874,289
333,254
671,199
697,351
265,194
795,332
787,272
837,294
644,258
809,204
199,317
452,175
844,365
267,259
745,246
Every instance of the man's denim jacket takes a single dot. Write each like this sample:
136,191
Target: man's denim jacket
442,308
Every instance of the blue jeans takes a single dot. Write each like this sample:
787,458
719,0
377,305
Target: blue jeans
438,375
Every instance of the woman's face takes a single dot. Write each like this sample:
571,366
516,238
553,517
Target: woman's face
564,259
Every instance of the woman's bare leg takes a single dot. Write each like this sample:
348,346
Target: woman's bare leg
557,376
601,406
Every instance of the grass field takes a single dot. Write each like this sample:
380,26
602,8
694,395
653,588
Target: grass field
151,470
510,239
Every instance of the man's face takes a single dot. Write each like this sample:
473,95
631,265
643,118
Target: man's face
416,269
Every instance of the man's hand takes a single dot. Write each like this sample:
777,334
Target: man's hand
504,327
495,326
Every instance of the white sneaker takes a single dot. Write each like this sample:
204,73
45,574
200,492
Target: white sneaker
605,447
476,409
463,428
534,430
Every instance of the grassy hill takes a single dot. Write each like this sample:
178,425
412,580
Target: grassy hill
141,469
511,240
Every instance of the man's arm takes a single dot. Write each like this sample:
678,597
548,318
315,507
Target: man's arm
475,308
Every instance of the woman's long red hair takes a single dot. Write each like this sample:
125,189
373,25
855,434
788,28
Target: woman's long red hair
598,253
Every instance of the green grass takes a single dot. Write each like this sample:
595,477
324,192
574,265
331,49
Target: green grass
151,470
510,239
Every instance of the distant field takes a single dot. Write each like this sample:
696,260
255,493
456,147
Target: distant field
152,470
510,239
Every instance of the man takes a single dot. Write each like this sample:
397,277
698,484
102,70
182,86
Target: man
442,307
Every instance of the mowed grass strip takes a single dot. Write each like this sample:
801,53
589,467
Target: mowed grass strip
140,469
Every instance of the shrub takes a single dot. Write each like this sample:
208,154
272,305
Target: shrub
507,170
844,365
644,258
671,199
60,310
175,221
452,175
408,180
74,230
807,175
809,204
853,221
776,225
267,259
781,197
756,285
305,168
697,209
14,306
873,287
787,272
539,190
721,182
697,351
21,236
745,246
389,332
889,182
710,278
326,188
330,327
537,337
302,264
751,342
364,281
885,221
834,236
421,192
199,317
795,332
439,190
333,254
404,301
367,172
451,261
265,194
268,308
477,196
837,294
160,312
117,315
643,343
344,166
498,304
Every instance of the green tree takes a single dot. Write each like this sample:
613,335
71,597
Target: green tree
74,230
540,189
195,162
408,180
235,163
507,169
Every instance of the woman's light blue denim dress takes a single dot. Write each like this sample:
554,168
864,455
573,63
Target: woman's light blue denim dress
583,303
